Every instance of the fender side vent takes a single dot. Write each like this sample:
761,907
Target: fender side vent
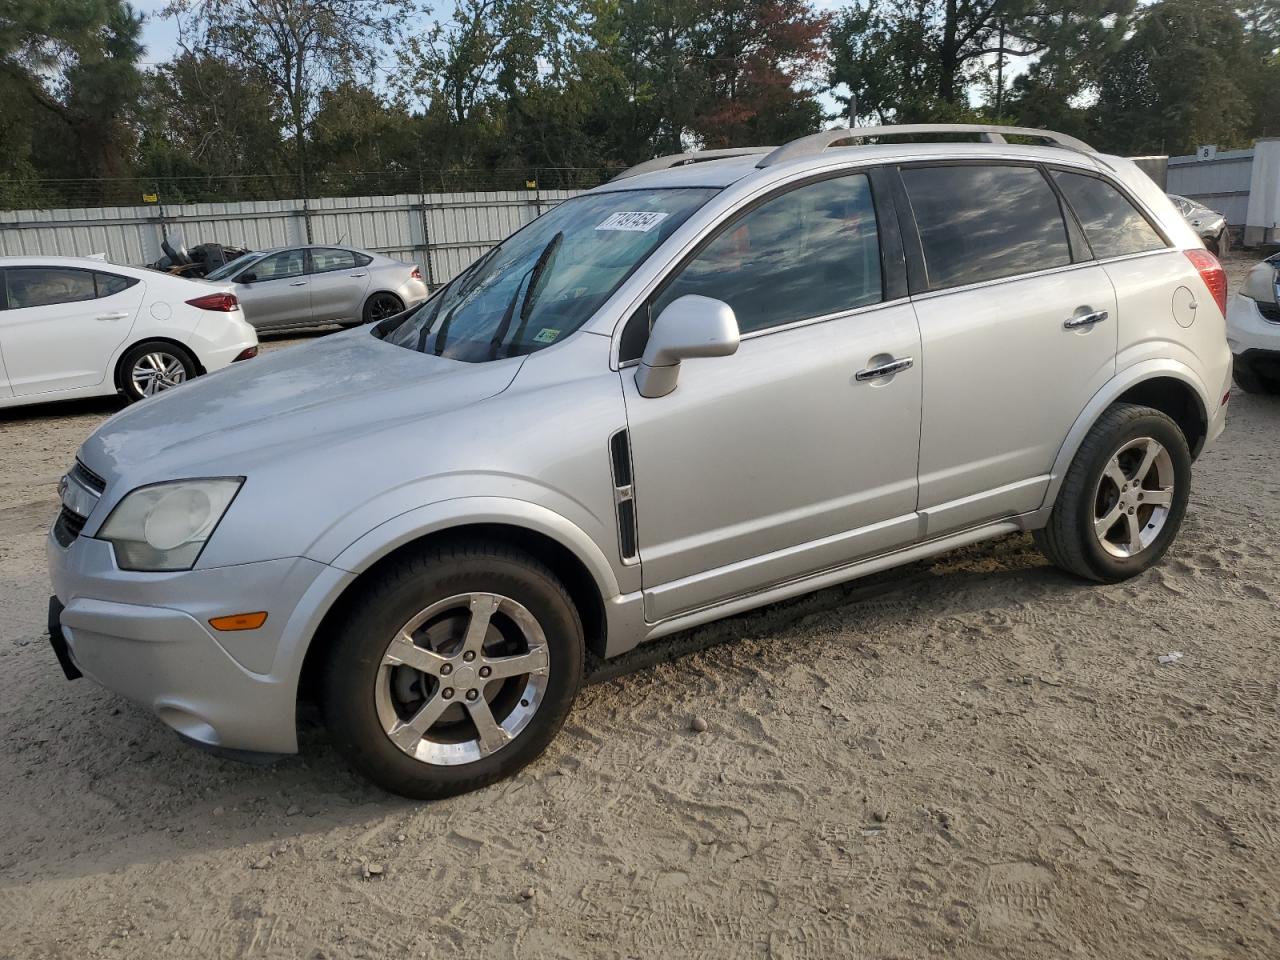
624,496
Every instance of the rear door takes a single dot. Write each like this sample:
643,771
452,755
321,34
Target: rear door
275,291
339,279
1018,332
63,325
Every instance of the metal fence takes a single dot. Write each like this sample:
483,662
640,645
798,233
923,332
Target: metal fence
442,232
1221,183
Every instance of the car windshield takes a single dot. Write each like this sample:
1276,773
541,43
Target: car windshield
546,280
227,269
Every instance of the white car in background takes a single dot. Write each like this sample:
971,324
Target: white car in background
76,327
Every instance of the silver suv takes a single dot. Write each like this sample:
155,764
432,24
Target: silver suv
716,382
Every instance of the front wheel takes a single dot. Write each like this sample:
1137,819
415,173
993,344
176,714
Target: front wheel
452,669
1123,498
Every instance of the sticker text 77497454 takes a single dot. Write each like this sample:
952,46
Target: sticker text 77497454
633,221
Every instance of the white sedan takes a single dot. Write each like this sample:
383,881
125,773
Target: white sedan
74,327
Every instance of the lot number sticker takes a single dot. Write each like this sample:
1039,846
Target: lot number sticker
633,221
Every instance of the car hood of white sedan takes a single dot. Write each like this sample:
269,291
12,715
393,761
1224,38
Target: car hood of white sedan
300,396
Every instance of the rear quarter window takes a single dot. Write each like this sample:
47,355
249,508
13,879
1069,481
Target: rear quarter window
982,222
1113,226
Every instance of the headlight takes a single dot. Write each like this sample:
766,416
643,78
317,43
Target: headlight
165,526
1260,282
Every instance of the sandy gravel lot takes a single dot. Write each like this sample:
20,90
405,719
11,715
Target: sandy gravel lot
972,757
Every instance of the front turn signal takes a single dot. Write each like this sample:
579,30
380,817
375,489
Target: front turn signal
239,621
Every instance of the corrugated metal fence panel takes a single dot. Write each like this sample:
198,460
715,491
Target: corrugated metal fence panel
458,227
1221,183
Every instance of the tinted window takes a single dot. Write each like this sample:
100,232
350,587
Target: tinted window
1112,224
362,259
981,223
278,266
811,252
323,260
110,284
40,286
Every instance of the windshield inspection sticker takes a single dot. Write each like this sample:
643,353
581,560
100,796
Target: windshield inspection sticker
546,335
633,221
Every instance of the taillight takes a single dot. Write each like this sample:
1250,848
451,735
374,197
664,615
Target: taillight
1211,272
226,302
416,274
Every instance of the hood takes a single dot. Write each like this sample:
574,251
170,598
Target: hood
324,392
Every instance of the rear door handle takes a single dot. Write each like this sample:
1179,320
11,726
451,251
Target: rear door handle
1087,320
885,369
357,276
298,283
121,315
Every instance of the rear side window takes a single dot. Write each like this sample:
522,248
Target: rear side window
1112,225
324,260
980,223
810,252
43,286
110,284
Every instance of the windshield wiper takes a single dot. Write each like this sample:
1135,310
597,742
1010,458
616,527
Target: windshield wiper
530,296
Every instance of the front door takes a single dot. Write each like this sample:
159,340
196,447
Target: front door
62,326
275,291
780,461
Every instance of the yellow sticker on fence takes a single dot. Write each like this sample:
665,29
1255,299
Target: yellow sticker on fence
151,198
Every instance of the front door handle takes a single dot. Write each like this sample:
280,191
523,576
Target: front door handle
885,369
121,315
1087,320
357,276
298,283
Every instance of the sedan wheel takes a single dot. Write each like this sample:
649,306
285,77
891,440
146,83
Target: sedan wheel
380,306
156,372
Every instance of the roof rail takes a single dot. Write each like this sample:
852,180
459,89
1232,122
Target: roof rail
988,133
681,159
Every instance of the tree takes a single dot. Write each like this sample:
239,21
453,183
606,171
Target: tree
299,48
74,65
1176,82
915,59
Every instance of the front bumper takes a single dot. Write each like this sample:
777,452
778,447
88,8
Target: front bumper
146,636
1248,329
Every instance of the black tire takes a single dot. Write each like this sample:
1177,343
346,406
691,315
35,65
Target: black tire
380,306
353,672
1069,540
125,380
1248,380
1214,245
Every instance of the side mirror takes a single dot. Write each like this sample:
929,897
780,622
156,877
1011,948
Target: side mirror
690,326
246,278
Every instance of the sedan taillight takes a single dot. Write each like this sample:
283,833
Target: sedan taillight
224,302
416,274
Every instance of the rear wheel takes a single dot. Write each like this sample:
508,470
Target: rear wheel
380,306
1124,496
454,669
154,367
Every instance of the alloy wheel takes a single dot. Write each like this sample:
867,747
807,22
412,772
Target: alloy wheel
155,372
384,305
1133,498
462,679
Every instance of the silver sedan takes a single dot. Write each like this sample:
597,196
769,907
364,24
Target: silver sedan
311,285
1211,225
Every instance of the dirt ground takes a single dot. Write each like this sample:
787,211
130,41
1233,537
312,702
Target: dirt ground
971,757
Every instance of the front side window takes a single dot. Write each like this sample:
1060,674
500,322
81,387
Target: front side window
233,267
980,222
43,286
324,259
545,281
810,252
278,266
1112,225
